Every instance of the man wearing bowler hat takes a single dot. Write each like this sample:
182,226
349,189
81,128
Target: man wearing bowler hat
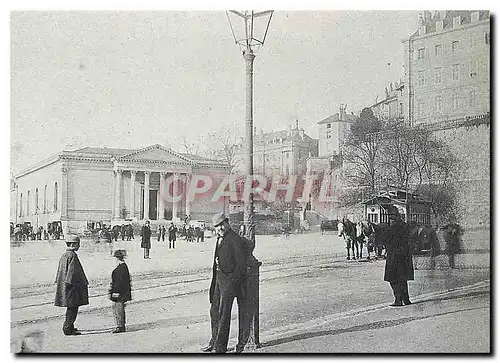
227,283
72,285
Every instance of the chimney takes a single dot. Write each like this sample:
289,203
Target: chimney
342,114
474,16
427,16
439,25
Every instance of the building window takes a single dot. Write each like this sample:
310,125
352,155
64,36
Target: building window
328,126
421,53
438,104
328,135
473,68
438,75
55,196
455,71
421,78
438,50
401,109
454,46
45,199
28,204
472,98
420,109
21,205
487,38
36,201
455,101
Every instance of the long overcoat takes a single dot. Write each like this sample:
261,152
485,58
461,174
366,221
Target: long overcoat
231,255
398,264
120,283
71,282
146,237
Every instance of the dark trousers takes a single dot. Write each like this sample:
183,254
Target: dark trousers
220,316
71,314
171,243
119,313
146,253
400,291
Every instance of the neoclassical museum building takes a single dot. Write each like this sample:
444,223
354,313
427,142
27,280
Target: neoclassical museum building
114,185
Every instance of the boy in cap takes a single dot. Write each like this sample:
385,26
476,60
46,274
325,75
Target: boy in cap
72,285
120,290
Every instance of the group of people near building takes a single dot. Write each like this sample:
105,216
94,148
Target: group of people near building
26,232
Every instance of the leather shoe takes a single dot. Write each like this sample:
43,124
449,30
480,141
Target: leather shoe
396,304
407,302
74,332
120,329
207,349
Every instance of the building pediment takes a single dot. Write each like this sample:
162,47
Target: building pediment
156,153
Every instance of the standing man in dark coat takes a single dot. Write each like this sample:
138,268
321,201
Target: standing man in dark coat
146,239
172,235
72,285
227,283
120,290
398,265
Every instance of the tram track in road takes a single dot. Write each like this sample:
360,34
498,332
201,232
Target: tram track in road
185,284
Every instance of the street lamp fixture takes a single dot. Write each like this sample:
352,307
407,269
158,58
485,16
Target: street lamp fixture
249,29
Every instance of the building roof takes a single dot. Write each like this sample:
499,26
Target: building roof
335,118
429,20
282,134
103,150
104,153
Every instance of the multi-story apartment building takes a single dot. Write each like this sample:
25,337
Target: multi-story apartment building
283,152
447,63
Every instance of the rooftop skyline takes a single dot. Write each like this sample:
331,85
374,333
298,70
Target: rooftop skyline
133,79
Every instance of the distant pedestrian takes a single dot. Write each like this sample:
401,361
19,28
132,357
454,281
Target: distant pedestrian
120,290
163,232
72,285
158,233
130,232
123,232
398,264
172,235
146,239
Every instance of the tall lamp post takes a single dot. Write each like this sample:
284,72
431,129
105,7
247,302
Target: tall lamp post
249,29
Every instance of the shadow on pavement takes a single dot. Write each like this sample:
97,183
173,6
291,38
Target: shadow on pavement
369,326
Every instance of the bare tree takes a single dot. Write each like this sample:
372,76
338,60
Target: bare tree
190,147
223,146
361,152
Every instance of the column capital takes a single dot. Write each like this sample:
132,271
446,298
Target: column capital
163,173
133,172
147,172
118,172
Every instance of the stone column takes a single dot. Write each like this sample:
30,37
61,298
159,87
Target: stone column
146,194
186,192
174,194
118,174
161,208
133,174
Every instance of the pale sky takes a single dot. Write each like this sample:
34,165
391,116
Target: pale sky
133,79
